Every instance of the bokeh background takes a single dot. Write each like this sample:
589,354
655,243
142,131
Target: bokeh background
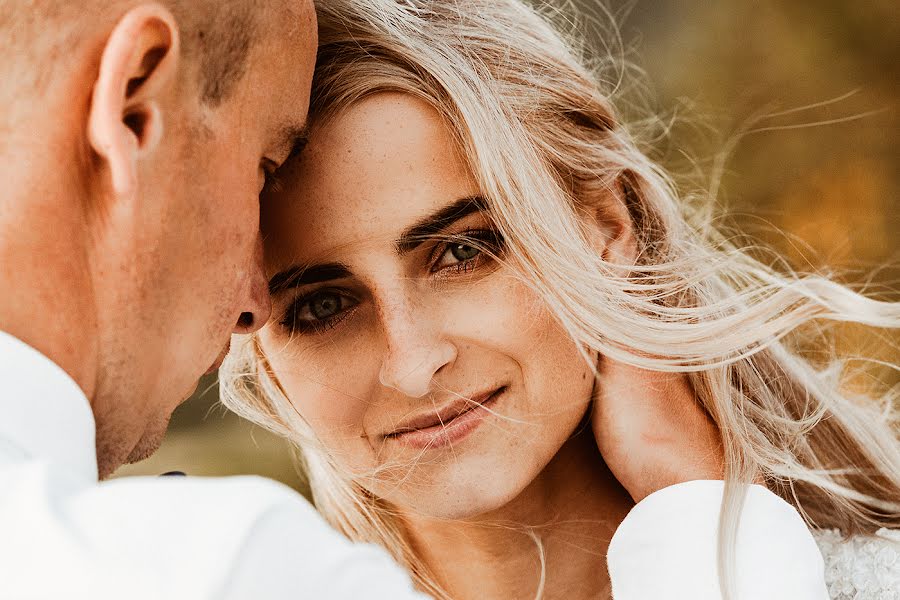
818,184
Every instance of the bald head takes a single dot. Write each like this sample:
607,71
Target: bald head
39,38
219,35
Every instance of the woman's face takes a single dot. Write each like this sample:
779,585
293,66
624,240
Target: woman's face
421,364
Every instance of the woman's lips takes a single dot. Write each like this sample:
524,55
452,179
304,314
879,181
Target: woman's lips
447,426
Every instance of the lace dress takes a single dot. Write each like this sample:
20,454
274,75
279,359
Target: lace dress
861,567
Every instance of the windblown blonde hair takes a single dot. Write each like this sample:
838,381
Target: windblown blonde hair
544,142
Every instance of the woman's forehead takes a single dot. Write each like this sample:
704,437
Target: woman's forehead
379,166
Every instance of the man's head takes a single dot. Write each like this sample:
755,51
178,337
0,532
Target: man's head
174,113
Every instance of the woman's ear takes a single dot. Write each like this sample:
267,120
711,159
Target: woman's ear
610,224
139,66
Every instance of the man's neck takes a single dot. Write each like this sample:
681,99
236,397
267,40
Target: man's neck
47,301
564,519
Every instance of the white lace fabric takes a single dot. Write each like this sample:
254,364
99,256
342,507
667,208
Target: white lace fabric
865,567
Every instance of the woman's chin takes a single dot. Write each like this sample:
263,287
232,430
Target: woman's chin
458,505
459,494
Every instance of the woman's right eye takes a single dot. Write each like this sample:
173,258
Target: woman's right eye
318,311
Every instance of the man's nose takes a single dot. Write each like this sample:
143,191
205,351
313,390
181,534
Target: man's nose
256,304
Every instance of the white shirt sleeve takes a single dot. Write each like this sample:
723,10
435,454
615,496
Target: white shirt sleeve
285,557
239,538
235,538
63,534
667,547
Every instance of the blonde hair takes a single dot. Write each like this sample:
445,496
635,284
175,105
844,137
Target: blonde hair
545,143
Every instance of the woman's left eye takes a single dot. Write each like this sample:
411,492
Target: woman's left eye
466,251
463,252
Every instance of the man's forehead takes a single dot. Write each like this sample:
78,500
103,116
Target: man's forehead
281,70
291,22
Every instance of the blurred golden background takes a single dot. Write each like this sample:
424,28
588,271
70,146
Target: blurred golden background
819,185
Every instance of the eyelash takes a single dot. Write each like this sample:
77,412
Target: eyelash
295,324
484,240
270,179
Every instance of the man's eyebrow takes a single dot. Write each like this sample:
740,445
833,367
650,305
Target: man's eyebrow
418,233
299,275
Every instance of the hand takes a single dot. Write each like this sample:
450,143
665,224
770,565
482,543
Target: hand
651,430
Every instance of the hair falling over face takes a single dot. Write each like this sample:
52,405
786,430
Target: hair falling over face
540,132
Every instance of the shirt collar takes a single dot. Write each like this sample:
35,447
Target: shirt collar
43,412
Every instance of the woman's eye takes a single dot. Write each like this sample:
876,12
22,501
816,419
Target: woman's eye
325,306
465,253
462,252
456,255
318,312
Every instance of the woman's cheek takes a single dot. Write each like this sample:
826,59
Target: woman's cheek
331,388
491,311
336,416
512,313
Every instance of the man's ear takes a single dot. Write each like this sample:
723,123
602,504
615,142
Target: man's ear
138,67
611,226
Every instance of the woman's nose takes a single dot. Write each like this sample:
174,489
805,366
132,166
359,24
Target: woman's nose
416,350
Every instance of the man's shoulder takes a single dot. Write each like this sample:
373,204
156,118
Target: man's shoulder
173,537
245,485
198,497
183,514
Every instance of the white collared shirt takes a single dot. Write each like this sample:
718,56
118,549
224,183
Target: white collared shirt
64,535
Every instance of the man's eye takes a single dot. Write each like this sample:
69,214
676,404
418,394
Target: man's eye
269,170
271,180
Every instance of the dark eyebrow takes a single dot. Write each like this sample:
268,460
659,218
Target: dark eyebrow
415,235
410,239
297,276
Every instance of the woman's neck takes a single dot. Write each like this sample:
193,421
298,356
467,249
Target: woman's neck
565,518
